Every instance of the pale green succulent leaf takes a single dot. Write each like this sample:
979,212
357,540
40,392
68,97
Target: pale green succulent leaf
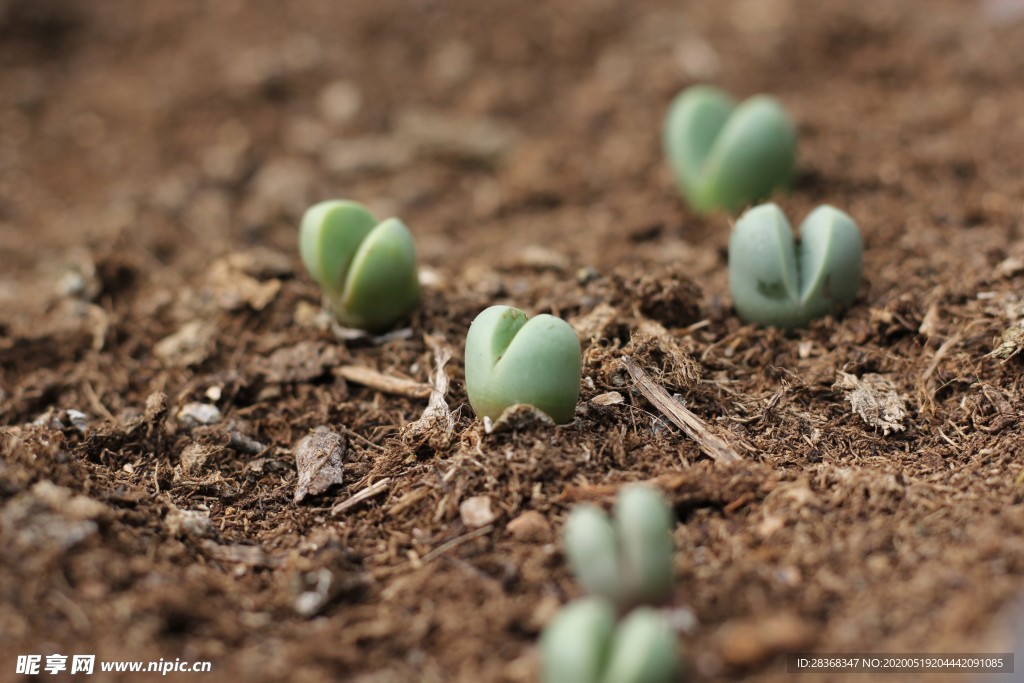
367,270
753,154
329,236
591,546
773,283
644,650
509,361
763,272
831,260
644,525
726,156
382,283
576,643
695,119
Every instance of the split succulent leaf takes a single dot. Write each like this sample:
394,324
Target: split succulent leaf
726,156
775,282
629,561
512,359
367,269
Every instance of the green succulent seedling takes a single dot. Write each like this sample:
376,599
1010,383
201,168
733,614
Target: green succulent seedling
576,644
583,645
629,561
592,547
644,650
366,268
774,282
726,156
512,359
644,525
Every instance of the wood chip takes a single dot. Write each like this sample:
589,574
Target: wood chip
367,493
456,542
319,460
436,425
713,445
251,555
1010,343
875,399
611,398
368,377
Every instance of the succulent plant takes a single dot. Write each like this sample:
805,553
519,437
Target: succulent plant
644,525
512,359
576,644
644,650
726,156
583,645
366,268
592,548
775,283
629,562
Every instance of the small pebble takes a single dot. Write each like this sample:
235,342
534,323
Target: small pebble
530,527
476,511
194,414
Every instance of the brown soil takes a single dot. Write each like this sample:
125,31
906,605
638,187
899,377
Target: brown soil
154,160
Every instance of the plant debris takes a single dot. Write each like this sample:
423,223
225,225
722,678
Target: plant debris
319,460
875,399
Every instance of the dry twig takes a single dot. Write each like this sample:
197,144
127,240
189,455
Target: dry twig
252,555
436,424
455,542
368,377
713,445
367,493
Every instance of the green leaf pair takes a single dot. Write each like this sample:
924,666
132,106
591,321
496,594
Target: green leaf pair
631,562
726,156
366,268
775,283
512,359
583,645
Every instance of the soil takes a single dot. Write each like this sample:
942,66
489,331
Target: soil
155,159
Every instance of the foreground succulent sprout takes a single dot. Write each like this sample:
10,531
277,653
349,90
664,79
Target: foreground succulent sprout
644,525
366,268
629,562
583,645
576,645
644,650
773,282
512,359
726,156
592,548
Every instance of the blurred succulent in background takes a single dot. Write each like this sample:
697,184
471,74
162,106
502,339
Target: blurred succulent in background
513,359
582,644
774,282
629,561
366,268
726,156
623,564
